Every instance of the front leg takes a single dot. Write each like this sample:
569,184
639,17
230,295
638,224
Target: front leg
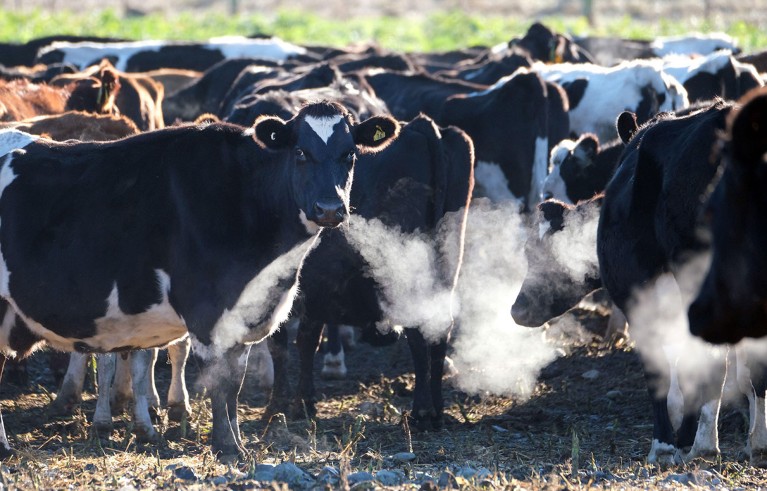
71,392
223,379
426,415
307,341
282,392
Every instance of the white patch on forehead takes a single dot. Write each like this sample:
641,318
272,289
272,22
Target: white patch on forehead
323,126
555,187
311,227
492,180
560,152
11,140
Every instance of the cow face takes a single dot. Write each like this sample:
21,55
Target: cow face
732,302
550,288
320,145
569,168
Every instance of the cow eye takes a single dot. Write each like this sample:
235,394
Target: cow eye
300,155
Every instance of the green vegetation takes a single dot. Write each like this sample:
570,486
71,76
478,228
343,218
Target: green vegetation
436,32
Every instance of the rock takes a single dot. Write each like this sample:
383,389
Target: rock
293,475
446,479
614,394
422,478
185,473
358,477
404,456
264,472
329,475
590,375
91,468
390,478
365,486
697,478
219,480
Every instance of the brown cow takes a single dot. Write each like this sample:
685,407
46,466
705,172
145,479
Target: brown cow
77,125
139,98
20,99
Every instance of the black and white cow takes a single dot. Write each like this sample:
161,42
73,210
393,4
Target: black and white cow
580,169
731,303
548,46
647,228
196,230
410,186
718,74
143,56
597,94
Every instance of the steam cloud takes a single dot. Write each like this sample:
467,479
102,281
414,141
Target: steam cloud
491,353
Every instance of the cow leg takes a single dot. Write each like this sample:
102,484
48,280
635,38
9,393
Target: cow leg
102,418
260,366
71,392
704,402
281,395
224,380
5,448
663,450
151,388
121,392
753,382
141,363
334,366
178,397
307,341
438,361
424,413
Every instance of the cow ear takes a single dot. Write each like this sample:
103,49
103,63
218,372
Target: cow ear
627,125
271,132
376,133
748,128
586,149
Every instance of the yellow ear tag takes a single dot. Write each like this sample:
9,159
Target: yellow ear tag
379,134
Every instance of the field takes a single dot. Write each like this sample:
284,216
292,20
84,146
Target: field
585,425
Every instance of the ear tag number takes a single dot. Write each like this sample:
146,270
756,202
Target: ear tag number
379,134
274,135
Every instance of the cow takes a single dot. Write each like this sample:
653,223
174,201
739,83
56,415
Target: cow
188,230
597,95
37,74
410,186
580,169
730,303
489,71
718,74
143,56
647,228
77,125
547,46
20,99
513,124
25,54
139,96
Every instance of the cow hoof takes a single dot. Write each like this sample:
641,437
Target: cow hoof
663,455
6,452
333,367
103,428
302,410
758,458
119,403
228,453
704,453
422,420
64,405
178,411
147,435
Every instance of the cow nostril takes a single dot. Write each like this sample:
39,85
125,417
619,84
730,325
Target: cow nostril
547,196
340,213
318,209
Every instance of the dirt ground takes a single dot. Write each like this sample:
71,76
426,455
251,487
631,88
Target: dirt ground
587,424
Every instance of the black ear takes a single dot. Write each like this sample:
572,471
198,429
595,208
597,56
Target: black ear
575,90
375,133
748,128
271,132
627,125
586,149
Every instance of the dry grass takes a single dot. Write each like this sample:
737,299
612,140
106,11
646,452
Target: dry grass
573,433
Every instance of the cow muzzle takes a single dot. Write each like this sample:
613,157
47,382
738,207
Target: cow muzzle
329,213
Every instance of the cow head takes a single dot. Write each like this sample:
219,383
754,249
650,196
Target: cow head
570,165
732,301
551,288
92,90
321,144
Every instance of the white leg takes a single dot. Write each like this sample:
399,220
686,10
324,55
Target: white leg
260,365
151,389
121,393
675,398
71,393
707,437
334,366
102,418
178,397
142,423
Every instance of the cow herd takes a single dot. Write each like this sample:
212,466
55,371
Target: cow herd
157,194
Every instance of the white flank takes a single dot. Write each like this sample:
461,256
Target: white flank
11,140
323,127
492,180
540,165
